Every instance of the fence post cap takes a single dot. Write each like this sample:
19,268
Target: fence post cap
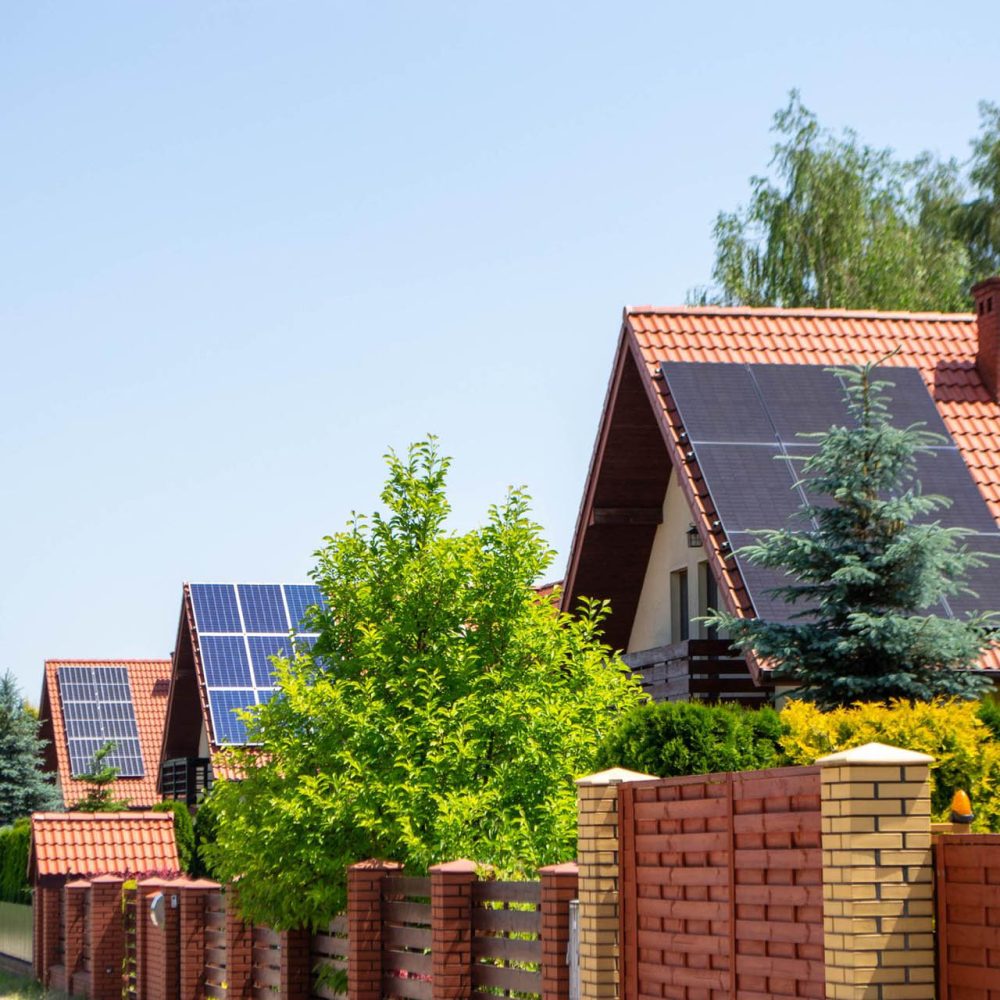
78,883
376,864
106,879
875,753
564,868
463,866
614,776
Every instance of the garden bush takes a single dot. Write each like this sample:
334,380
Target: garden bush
677,738
15,841
965,750
183,832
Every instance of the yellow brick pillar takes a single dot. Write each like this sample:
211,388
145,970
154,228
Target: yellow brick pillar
878,874
597,858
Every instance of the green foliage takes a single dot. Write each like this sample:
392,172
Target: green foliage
99,779
15,842
24,788
678,738
444,712
966,753
989,714
843,225
865,562
183,832
206,823
976,221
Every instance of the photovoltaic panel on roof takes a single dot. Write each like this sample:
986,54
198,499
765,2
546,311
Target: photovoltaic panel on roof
741,424
238,628
97,709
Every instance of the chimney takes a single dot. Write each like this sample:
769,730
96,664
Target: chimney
987,305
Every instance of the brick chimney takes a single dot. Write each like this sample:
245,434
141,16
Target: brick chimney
987,305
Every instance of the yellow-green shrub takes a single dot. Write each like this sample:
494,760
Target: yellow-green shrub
965,751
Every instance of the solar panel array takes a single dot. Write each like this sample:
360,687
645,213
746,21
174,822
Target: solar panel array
742,423
97,708
239,627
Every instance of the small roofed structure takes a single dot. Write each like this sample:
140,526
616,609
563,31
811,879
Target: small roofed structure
83,845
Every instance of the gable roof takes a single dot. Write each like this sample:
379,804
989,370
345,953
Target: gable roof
76,844
638,442
150,684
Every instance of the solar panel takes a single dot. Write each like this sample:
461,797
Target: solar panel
238,628
742,423
97,709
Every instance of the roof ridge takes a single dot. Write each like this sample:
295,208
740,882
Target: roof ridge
125,659
776,311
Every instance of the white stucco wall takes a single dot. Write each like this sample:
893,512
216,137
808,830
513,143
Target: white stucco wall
670,552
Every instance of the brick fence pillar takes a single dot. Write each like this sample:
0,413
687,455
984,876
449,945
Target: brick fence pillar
878,874
74,928
193,893
47,930
451,929
158,971
559,886
239,949
364,927
107,938
597,856
295,964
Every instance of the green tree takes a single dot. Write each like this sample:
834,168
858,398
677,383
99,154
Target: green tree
444,711
846,225
976,221
183,833
24,787
100,779
866,563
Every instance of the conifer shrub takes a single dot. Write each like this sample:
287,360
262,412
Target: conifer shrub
670,739
965,750
183,832
15,841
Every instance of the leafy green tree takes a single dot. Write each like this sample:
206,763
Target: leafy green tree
100,779
444,711
976,220
24,787
866,563
846,225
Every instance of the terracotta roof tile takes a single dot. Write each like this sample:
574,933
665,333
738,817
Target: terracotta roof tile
150,683
942,346
79,844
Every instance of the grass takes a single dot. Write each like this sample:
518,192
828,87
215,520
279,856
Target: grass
17,988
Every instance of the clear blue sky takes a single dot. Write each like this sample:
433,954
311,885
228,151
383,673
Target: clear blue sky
246,246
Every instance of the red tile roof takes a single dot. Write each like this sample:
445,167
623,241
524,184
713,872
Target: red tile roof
78,844
150,683
942,346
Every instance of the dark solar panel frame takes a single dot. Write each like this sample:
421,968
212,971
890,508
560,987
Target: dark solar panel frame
97,709
238,628
766,407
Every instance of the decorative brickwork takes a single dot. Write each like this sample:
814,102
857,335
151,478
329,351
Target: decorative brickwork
74,928
597,856
559,886
878,875
364,928
107,938
451,929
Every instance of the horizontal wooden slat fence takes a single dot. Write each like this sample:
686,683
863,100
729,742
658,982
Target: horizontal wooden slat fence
506,942
968,916
406,937
266,975
329,958
215,945
721,887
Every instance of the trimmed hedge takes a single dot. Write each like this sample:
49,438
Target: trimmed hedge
15,842
183,832
673,738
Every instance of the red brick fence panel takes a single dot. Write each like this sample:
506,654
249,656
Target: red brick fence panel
721,887
406,937
968,916
329,959
506,942
215,945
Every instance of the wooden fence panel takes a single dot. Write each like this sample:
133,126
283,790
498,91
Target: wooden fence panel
266,963
721,887
406,937
215,945
329,959
506,939
968,916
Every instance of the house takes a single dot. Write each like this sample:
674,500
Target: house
682,468
221,664
86,704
